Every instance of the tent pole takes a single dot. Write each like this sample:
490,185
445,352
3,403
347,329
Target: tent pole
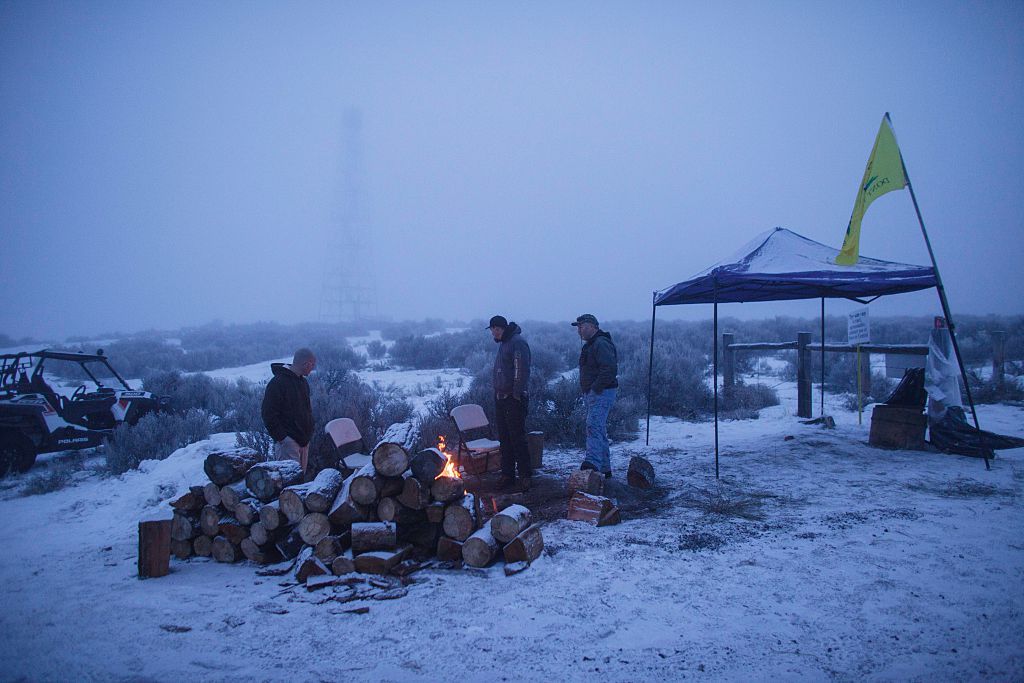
942,296
650,371
823,356
715,381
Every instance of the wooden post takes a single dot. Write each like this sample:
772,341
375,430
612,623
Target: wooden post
154,546
535,444
803,374
728,361
865,372
998,358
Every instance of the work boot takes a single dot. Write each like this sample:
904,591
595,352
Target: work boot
524,484
587,465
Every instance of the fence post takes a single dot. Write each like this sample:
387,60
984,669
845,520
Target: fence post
803,374
865,374
728,360
998,358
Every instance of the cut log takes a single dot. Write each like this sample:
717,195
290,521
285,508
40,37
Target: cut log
233,494
526,547
291,502
271,516
584,507
460,518
513,568
449,550
535,445
260,536
391,510
224,467
434,511
323,490
405,434
247,511
367,536
343,564
345,511
415,494
428,464
185,527
480,549
329,547
224,550
380,561
508,523
202,545
307,564
181,549
587,481
209,518
640,473
420,534
473,463
211,493
390,459
613,516
366,485
314,527
266,480
260,554
155,545
447,489
192,501
231,529
290,545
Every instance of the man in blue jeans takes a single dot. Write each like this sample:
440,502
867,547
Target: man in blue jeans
599,365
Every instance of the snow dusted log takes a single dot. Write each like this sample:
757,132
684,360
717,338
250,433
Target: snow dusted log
233,494
271,515
640,473
329,547
291,504
367,536
345,511
260,554
155,545
526,547
307,564
415,494
611,517
211,493
449,550
202,546
460,518
480,549
314,527
260,536
266,480
380,561
323,490
434,512
587,481
343,564
224,467
184,527
508,523
248,511
290,544
192,501
231,529
390,459
209,518
181,549
428,464
366,485
391,510
447,489
404,434
584,507
224,550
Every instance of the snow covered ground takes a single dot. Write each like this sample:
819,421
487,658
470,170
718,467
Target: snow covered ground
810,558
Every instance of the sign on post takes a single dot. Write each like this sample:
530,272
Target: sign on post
858,327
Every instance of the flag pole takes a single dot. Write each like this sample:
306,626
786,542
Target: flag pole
650,368
823,356
942,294
715,380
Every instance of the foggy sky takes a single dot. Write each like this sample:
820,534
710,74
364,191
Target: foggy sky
166,164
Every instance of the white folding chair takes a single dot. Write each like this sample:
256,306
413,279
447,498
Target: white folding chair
470,420
343,432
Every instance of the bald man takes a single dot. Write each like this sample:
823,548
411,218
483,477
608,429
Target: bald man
287,412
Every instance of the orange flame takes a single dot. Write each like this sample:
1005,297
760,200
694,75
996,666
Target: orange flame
449,467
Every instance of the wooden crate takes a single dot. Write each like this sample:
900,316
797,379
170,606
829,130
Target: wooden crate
898,427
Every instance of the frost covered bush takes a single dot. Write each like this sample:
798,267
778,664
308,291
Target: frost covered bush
154,437
748,397
376,349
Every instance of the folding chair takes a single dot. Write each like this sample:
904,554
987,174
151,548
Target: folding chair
480,451
345,435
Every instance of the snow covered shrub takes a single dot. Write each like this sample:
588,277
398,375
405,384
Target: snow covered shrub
419,352
678,386
987,391
154,437
748,397
376,349
216,396
437,420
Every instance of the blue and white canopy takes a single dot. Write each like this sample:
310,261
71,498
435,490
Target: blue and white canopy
780,265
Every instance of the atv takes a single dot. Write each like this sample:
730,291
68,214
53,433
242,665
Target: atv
36,419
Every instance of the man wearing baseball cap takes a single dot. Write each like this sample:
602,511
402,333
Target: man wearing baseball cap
599,365
511,378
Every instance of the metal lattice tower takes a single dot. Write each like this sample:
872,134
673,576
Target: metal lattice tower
349,289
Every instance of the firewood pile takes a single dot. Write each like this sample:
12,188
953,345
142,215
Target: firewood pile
391,516
587,502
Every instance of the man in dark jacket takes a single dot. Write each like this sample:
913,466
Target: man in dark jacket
287,412
511,381
599,365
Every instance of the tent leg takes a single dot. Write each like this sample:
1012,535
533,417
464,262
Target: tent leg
823,356
650,373
715,383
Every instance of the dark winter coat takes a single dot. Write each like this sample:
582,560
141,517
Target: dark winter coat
512,364
599,363
286,407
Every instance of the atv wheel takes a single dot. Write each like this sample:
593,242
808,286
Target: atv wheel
17,454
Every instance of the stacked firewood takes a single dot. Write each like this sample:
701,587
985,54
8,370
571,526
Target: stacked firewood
396,510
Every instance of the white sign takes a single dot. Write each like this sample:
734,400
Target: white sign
858,328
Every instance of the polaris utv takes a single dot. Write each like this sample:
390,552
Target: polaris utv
36,419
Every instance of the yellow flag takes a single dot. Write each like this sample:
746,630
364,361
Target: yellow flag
883,174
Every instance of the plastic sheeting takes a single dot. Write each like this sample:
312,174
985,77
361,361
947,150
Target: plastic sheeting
942,376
